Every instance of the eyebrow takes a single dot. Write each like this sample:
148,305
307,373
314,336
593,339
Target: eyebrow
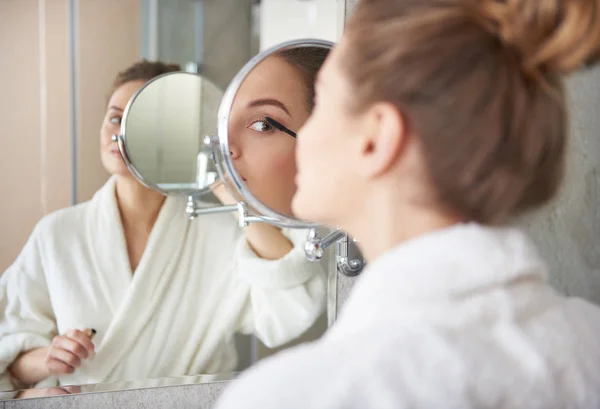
269,101
115,108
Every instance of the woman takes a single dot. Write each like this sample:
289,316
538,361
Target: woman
436,122
125,287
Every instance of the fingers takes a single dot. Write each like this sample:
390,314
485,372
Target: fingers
55,391
40,393
68,350
71,345
72,389
83,338
56,367
61,361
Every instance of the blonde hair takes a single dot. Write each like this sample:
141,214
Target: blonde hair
479,83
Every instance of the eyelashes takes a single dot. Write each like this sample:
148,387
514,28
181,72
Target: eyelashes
262,125
269,125
279,126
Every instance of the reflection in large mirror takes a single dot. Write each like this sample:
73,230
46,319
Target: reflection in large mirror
126,287
105,283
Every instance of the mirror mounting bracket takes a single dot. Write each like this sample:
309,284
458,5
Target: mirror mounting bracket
315,249
244,218
350,267
193,210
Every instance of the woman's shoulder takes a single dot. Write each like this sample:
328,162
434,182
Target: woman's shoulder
61,220
53,234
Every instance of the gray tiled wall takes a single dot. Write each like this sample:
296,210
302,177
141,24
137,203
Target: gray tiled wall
568,231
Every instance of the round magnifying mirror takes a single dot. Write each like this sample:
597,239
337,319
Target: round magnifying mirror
163,133
262,110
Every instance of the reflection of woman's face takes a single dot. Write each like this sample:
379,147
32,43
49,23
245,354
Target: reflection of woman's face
109,151
262,155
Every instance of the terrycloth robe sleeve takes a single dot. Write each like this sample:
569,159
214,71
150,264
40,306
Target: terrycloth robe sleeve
286,295
28,320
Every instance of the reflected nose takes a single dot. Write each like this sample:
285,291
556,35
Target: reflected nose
234,151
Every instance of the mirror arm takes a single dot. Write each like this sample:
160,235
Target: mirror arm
245,219
192,210
315,246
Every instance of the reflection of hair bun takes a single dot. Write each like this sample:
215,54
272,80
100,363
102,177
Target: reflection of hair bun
554,35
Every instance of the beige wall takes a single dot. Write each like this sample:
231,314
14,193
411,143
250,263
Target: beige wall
175,397
109,40
35,110
24,149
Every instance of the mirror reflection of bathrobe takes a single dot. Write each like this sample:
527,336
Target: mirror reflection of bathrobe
197,283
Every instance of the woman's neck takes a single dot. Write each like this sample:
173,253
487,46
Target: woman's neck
386,224
138,206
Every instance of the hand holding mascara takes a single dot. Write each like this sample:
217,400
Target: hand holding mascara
68,351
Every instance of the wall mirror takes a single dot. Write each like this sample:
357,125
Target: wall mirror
163,130
265,105
195,277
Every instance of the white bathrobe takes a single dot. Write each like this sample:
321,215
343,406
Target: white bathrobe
197,283
458,319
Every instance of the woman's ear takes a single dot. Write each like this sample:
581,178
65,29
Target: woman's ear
385,134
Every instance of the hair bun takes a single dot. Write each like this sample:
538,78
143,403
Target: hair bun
555,35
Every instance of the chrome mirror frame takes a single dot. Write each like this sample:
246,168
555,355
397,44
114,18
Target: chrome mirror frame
220,144
121,140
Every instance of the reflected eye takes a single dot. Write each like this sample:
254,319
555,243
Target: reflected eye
261,126
115,120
